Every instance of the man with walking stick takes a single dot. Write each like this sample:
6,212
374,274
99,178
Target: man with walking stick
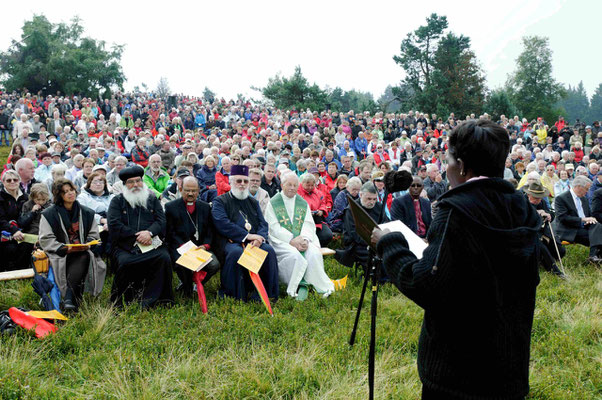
550,250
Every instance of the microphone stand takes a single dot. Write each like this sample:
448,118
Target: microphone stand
372,273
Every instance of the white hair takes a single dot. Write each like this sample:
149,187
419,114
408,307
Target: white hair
58,168
582,181
287,176
354,182
136,199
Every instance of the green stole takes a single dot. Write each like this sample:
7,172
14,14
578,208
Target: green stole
299,212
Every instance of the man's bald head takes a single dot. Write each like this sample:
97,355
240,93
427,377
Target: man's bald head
189,189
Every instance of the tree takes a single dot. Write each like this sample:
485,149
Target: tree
576,103
163,88
340,100
595,109
58,58
208,94
389,102
531,87
417,58
442,73
294,92
498,103
457,79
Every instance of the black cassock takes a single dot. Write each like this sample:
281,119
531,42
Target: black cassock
139,275
229,217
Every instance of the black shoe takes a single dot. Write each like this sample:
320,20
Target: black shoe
595,260
68,304
554,270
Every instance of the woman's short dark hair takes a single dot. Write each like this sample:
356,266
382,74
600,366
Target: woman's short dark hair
482,145
57,189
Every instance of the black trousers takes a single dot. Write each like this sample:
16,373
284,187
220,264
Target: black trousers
582,237
185,275
77,269
15,255
547,252
324,235
430,394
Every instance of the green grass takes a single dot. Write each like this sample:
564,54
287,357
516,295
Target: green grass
238,351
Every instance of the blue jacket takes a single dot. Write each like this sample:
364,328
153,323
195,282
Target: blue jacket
199,121
206,176
361,145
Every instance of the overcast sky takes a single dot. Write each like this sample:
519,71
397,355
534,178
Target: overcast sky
232,45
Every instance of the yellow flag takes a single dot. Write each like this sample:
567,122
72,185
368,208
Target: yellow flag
340,284
54,314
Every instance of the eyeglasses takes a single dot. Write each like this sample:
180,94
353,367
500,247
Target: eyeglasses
416,185
240,181
133,181
14,180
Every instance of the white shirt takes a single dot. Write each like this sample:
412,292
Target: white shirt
578,205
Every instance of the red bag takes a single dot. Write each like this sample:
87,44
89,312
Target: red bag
28,322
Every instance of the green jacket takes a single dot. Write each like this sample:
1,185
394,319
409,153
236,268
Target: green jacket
158,185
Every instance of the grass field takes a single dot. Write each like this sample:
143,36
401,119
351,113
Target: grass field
238,351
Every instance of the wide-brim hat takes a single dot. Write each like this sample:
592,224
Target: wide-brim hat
537,190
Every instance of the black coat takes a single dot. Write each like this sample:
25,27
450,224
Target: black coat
476,282
402,209
180,228
597,205
10,210
272,188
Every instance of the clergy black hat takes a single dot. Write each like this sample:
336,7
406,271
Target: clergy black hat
239,170
131,172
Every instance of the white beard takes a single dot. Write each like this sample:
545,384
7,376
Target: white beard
136,199
240,194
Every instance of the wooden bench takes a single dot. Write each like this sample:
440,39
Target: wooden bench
16,274
327,251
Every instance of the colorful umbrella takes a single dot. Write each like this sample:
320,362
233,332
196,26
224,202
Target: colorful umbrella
261,290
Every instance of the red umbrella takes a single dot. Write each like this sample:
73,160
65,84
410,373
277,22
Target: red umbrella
198,277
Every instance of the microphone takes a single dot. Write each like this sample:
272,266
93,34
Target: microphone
396,181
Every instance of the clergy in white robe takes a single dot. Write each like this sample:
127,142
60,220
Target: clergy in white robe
292,234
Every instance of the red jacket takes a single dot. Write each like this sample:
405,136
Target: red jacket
222,181
326,193
329,182
378,159
316,201
140,157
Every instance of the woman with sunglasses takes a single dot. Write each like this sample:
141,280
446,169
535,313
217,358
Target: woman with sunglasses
13,255
476,280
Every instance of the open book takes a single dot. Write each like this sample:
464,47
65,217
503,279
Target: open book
192,257
417,245
365,224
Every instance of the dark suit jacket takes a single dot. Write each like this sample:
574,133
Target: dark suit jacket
597,205
402,209
179,227
567,221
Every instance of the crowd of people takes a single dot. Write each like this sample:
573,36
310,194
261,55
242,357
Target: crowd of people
140,172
